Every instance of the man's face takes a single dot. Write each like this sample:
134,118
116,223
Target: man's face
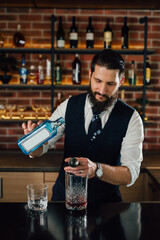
104,85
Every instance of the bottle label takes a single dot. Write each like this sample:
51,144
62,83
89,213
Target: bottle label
40,75
131,74
76,74
122,40
108,37
58,79
132,77
1,42
148,74
60,43
23,75
38,137
89,36
73,36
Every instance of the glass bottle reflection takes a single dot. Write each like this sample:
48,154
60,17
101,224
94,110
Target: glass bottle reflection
76,225
38,225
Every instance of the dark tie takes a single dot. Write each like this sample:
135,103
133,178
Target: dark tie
95,126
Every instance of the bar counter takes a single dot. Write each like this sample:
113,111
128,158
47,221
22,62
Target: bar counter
105,221
51,161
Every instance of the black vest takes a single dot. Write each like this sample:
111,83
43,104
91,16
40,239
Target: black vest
105,149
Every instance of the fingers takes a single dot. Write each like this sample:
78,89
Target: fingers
39,122
86,168
29,126
77,172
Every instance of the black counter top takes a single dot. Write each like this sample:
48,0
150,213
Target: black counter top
16,161
108,221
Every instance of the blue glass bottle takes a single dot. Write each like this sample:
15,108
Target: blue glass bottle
23,72
40,135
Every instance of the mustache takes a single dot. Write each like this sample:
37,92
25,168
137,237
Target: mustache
103,95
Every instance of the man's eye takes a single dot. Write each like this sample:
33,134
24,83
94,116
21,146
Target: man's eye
97,80
111,83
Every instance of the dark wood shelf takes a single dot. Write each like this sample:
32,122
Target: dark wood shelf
73,51
25,50
94,51
62,87
24,86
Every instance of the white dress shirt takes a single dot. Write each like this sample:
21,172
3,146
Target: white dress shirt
131,149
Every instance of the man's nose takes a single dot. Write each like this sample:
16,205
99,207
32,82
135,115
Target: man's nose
103,89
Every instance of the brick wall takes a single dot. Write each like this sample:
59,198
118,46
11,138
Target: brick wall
35,25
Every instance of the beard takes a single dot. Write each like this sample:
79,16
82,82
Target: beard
101,106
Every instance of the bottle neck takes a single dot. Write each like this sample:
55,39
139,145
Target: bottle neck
74,21
108,26
90,21
60,23
57,123
125,21
23,62
18,28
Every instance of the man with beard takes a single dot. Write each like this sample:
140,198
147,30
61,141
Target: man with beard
112,155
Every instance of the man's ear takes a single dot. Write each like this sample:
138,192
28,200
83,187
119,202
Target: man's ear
89,73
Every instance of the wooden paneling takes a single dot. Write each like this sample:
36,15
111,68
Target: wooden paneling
50,176
13,186
135,192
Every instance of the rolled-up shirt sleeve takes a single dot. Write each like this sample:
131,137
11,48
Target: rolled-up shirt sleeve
131,150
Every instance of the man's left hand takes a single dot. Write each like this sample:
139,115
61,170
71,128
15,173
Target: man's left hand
85,168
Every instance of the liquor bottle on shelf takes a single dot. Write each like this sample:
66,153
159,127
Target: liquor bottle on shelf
107,35
1,40
23,72
90,34
132,74
32,75
58,71
48,72
18,38
148,72
60,35
124,34
73,34
40,71
76,70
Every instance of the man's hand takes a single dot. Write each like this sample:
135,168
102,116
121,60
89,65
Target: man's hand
30,126
85,167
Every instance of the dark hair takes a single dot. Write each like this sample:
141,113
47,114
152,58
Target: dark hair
110,59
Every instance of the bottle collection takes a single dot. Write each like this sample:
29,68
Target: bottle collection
35,74
132,75
41,74
73,34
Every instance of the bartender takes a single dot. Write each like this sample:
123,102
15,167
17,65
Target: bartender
101,131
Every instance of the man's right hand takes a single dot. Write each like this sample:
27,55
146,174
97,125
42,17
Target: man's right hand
29,126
